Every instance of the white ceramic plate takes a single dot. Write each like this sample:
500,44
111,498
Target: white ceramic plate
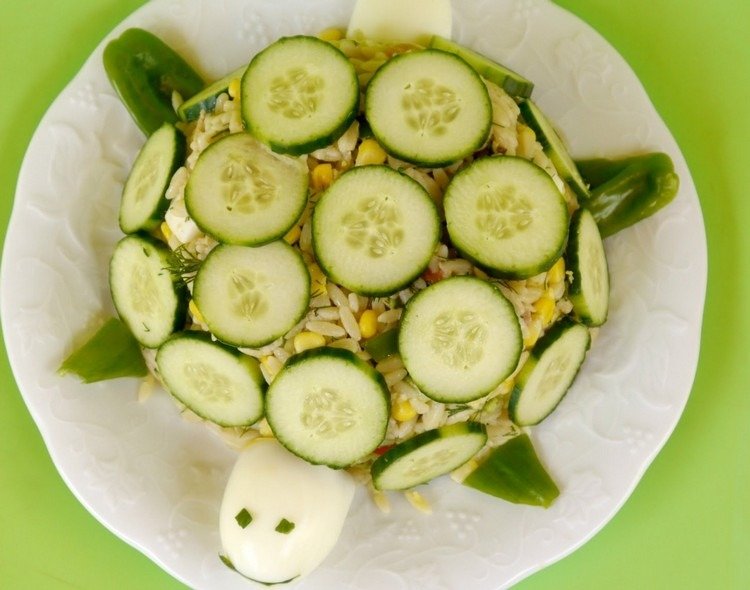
156,481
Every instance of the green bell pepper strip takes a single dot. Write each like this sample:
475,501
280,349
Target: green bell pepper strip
513,472
625,191
145,71
109,354
383,345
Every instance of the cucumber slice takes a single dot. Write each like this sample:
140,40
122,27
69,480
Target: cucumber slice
143,198
252,296
548,373
299,94
242,193
589,291
374,230
429,108
216,382
506,214
513,83
205,100
514,473
554,147
150,300
459,339
328,407
428,455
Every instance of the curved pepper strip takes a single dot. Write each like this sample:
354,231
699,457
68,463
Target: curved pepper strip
625,191
145,71
514,473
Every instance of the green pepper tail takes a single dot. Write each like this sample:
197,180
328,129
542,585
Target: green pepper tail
144,71
514,473
625,191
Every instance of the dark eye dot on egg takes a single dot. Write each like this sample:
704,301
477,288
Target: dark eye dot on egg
285,526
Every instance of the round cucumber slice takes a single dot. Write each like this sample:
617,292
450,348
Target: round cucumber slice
428,455
242,193
216,382
375,230
149,299
299,94
548,373
506,214
589,291
252,296
428,107
328,407
143,198
459,339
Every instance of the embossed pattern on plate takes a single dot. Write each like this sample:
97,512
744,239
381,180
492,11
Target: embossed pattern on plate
156,480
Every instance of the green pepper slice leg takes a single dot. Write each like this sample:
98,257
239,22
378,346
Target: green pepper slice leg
144,71
625,191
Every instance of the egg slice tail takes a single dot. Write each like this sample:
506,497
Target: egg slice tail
414,21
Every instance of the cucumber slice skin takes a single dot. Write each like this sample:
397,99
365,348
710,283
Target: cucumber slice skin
543,345
319,227
554,147
177,291
514,473
434,393
202,285
505,269
148,221
510,81
408,154
217,224
205,100
583,306
246,362
298,147
351,360
386,462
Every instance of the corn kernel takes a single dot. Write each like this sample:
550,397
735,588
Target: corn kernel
234,88
293,234
197,316
307,341
317,281
332,34
322,176
544,308
532,335
403,411
368,323
166,232
370,152
526,142
556,273
418,501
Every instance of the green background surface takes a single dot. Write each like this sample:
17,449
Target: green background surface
687,525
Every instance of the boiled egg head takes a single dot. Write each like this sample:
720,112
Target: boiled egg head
281,516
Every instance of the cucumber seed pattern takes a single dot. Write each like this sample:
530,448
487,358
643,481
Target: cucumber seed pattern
143,292
211,385
247,294
555,370
244,187
458,337
375,225
325,413
296,94
429,107
502,213
421,465
147,178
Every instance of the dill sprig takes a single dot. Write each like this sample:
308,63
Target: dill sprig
184,263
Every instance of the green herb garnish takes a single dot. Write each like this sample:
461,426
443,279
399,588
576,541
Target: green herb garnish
184,264
284,527
243,518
